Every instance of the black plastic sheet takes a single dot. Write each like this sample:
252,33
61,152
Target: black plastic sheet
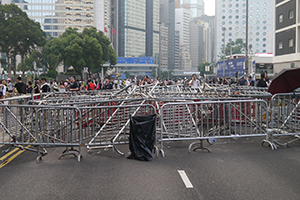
142,137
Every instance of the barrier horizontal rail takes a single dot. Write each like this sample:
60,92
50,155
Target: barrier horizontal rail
110,127
41,127
285,112
212,120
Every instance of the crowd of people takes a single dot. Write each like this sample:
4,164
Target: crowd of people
7,88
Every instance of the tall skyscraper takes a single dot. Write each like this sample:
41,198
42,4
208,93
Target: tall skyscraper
232,15
177,49
196,7
57,15
167,17
182,19
287,35
138,30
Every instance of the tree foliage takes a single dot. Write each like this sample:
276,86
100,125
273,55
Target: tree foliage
89,49
234,47
202,69
18,34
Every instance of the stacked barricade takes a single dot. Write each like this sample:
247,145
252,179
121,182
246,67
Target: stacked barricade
285,112
100,119
212,120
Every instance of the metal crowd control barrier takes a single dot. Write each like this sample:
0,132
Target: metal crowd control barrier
108,126
285,112
29,126
212,120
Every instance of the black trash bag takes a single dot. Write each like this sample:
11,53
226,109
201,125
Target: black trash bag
142,137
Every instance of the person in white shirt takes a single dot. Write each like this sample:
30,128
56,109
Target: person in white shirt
3,91
194,82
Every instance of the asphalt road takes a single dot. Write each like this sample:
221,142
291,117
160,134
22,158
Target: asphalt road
236,169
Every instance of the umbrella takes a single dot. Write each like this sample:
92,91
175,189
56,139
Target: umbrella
285,81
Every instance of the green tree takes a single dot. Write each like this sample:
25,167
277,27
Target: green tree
202,68
18,34
93,49
234,47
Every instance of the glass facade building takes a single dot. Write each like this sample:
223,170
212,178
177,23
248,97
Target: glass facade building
57,15
138,30
231,14
196,7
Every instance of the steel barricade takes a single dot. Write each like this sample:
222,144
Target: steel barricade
212,120
108,126
41,126
285,112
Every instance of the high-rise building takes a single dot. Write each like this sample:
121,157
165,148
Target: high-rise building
164,42
196,7
167,16
287,35
232,16
57,15
202,40
182,19
138,30
177,50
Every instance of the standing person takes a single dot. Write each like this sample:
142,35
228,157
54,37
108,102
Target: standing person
243,81
62,87
194,82
10,86
3,91
36,89
29,87
107,84
90,85
262,82
73,85
20,87
116,83
55,86
251,81
45,87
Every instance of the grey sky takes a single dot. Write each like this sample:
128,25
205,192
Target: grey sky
209,7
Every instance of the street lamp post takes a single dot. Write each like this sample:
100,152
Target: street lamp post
246,57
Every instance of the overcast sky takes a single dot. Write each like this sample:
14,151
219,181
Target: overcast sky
209,7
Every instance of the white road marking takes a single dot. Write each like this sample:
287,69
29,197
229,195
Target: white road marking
185,179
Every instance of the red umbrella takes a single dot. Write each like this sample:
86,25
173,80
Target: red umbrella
285,81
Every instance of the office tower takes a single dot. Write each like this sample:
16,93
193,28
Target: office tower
202,40
57,15
287,35
182,19
167,17
177,50
164,42
232,16
138,30
196,7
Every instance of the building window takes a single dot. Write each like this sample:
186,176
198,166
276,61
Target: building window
280,18
291,42
291,14
280,45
